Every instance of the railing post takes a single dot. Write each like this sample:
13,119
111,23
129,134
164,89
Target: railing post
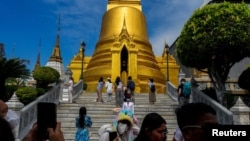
15,105
241,113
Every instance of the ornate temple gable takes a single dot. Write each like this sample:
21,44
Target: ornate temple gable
132,3
56,54
78,57
124,37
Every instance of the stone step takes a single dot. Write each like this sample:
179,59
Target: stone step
102,113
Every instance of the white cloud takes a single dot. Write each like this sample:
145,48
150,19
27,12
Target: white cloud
81,19
166,21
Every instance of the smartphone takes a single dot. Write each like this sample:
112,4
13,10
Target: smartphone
46,118
112,136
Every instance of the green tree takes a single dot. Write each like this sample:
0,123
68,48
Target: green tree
12,68
45,75
26,94
231,1
215,38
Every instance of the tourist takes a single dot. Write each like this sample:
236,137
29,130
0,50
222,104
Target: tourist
10,116
123,128
5,131
192,118
109,89
128,105
83,122
70,88
152,96
100,85
118,92
153,128
131,88
181,98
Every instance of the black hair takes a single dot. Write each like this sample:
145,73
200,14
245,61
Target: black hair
189,113
151,80
101,79
150,122
82,113
5,131
183,80
129,78
117,81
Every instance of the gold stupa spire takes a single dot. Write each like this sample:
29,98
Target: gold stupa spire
123,50
116,3
56,54
38,65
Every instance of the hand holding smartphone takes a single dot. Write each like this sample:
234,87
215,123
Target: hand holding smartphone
46,118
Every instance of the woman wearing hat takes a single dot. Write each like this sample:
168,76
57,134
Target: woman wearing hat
122,129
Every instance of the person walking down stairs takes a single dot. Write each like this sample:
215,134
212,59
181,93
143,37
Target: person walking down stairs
122,129
83,122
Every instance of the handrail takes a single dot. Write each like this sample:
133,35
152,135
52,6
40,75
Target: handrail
77,89
28,114
224,115
172,91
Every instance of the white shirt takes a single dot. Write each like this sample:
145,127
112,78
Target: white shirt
109,87
128,106
178,135
120,85
70,85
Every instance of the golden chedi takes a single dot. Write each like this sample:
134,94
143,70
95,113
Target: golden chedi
124,50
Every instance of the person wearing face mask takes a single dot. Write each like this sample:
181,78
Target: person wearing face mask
123,128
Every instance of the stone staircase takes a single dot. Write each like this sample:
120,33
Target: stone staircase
102,113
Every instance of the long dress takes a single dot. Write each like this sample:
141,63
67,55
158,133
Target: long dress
119,94
82,134
151,96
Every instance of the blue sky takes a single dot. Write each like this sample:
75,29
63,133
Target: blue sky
24,22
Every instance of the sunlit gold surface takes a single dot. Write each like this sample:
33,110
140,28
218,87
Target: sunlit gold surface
124,31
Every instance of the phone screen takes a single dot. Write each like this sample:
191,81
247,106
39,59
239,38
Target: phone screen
112,136
46,118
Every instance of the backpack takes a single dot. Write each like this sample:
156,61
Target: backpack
186,89
131,85
152,88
